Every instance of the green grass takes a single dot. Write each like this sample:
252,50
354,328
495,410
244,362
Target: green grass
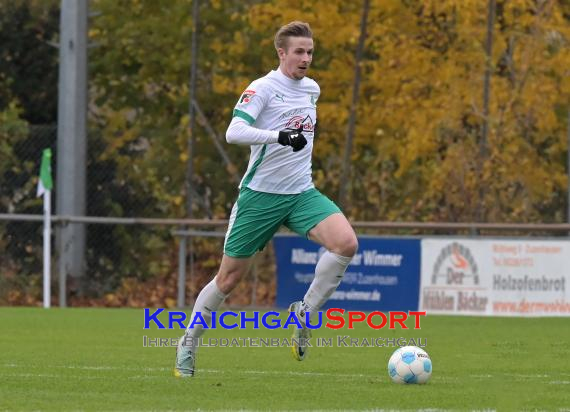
93,359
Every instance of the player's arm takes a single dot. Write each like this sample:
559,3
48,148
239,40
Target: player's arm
242,131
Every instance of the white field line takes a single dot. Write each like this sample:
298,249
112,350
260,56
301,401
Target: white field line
168,371
216,371
521,376
511,375
50,376
271,373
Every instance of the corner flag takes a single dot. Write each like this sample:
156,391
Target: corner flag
45,182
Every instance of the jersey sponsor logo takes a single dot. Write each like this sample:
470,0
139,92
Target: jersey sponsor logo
290,113
247,96
295,122
280,97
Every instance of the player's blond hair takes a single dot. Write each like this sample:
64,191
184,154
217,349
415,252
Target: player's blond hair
293,29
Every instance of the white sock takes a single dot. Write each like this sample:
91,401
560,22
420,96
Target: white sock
209,300
328,275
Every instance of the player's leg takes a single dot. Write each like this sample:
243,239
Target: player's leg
209,300
254,219
321,220
231,271
337,236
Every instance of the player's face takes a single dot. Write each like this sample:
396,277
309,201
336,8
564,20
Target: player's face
296,58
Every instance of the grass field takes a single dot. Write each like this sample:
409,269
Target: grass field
94,359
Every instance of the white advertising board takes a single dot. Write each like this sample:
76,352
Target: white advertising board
495,277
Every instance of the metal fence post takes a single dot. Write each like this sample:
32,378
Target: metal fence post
182,272
191,275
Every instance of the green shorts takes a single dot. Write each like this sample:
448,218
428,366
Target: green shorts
256,217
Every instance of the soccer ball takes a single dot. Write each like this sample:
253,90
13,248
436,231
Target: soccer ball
409,364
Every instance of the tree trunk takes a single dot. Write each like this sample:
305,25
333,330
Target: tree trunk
486,97
345,177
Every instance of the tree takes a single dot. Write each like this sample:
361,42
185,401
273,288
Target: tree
416,154
28,102
28,64
140,75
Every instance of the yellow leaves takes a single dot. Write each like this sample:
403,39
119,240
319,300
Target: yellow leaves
184,121
421,105
217,46
119,130
93,32
239,44
170,302
334,23
224,84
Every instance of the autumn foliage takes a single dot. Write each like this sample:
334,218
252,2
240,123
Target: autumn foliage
418,153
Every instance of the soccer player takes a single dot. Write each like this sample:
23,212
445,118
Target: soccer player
276,116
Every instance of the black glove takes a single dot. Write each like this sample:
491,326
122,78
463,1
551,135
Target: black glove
293,138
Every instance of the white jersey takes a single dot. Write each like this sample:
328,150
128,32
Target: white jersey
276,102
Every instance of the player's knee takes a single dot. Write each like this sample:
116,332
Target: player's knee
346,245
351,245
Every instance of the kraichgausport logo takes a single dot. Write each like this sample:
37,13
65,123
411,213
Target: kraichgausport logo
341,341
272,320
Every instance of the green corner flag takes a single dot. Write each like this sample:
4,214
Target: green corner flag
45,183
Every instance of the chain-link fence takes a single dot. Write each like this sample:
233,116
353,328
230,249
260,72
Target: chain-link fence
21,241
124,264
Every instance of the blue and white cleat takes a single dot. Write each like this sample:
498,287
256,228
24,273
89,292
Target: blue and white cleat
300,338
185,360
